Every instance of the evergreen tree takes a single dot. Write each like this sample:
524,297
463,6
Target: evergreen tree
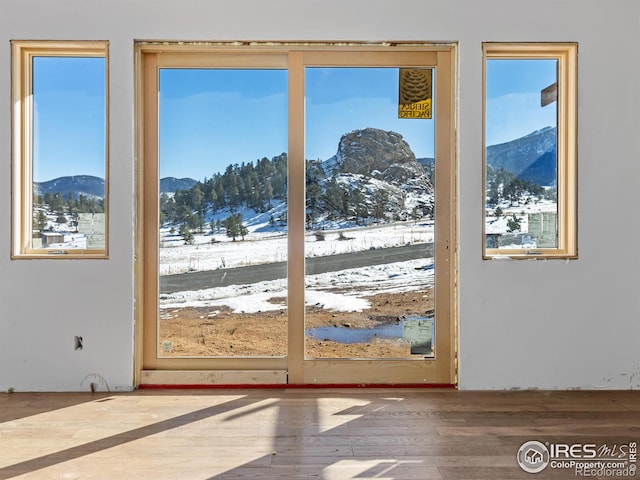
233,193
513,224
40,221
185,233
358,205
198,204
268,194
234,227
243,228
213,199
219,190
183,213
55,201
167,209
336,199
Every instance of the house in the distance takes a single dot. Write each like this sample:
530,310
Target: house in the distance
51,238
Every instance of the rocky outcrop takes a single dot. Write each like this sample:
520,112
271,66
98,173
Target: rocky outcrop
380,154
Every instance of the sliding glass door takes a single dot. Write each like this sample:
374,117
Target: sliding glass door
298,218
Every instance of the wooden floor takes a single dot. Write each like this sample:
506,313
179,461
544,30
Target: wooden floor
315,433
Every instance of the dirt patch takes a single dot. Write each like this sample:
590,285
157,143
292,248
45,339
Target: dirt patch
216,331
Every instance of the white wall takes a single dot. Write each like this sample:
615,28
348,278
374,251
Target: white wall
523,324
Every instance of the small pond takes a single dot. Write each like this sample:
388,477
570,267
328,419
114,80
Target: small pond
417,330
355,335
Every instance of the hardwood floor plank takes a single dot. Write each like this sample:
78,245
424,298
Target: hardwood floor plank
497,473
458,451
582,430
286,434
399,439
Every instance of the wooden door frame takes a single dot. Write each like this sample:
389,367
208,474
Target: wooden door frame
294,369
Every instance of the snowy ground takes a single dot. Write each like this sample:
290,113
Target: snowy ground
322,290
271,246
359,284
499,224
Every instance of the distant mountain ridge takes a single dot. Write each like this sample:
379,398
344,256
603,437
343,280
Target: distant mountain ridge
172,184
92,186
426,161
532,157
87,185
375,155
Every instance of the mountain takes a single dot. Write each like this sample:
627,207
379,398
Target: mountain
532,157
373,177
378,173
380,154
426,162
171,184
87,185
364,151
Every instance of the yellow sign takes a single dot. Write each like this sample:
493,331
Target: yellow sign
414,96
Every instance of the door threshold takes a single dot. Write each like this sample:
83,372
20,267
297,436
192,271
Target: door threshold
254,379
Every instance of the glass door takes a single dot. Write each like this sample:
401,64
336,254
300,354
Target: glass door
215,216
297,226
222,227
378,193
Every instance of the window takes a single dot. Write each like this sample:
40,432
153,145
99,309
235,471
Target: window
530,150
60,149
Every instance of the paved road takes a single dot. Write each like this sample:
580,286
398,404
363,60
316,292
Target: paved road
274,271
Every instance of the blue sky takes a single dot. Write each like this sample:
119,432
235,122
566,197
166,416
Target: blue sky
69,117
212,118
340,100
513,98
